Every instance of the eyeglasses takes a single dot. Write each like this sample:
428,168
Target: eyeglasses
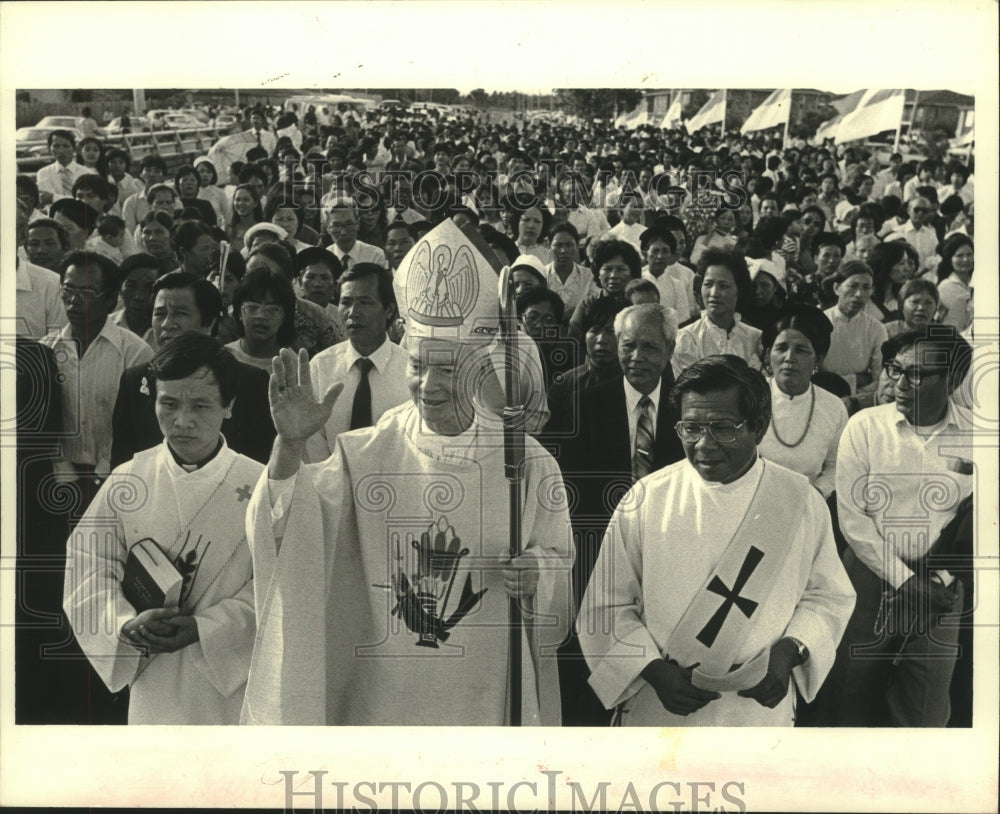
724,432
921,209
914,375
70,293
336,227
252,309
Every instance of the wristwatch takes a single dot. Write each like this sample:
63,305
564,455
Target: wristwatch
801,651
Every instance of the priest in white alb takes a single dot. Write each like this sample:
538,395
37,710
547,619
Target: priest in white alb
383,573
718,582
188,496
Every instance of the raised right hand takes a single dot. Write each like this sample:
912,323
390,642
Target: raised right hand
294,409
674,688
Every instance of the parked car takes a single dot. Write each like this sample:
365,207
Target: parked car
201,115
58,122
225,121
33,141
180,121
137,123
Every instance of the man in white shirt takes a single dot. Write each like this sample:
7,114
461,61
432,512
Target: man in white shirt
260,132
341,223
919,234
899,651
39,307
55,180
589,223
372,368
92,353
564,275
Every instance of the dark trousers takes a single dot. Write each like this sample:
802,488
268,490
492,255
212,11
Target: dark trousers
893,674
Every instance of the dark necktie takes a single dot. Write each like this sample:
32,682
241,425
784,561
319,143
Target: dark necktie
345,262
257,133
642,462
361,412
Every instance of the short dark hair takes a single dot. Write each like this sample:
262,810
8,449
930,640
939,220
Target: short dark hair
48,223
609,249
721,372
25,185
93,182
66,134
317,254
382,276
111,277
596,312
850,268
641,284
265,281
396,224
918,285
77,211
207,297
951,349
142,260
188,353
110,226
276,252
654,233
810,322
187,234
154,162
736,263
566,227
536,296
827,239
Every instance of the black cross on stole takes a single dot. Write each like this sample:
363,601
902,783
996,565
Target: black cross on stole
732,597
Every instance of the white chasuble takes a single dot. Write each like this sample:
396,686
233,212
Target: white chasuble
198,519
383,601
663,552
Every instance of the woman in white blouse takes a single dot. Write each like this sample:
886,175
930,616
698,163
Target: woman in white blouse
806,421
954,274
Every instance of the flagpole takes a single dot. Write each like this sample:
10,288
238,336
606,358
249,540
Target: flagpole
788,121
902,115
513,432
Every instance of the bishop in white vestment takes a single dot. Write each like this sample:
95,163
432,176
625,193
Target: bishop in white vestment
383,574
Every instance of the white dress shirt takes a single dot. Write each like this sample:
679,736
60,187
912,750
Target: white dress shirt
897,488
51,178
360,252
387,380
90,389
39,306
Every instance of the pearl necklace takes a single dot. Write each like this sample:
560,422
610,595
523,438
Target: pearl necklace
812,405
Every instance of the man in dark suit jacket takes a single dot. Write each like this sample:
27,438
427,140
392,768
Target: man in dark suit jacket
181,303
621,438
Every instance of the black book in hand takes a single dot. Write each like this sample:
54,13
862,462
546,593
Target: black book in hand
150,579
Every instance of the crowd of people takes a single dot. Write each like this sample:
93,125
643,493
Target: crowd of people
740,364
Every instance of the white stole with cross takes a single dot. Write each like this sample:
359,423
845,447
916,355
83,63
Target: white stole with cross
198,519
670,539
